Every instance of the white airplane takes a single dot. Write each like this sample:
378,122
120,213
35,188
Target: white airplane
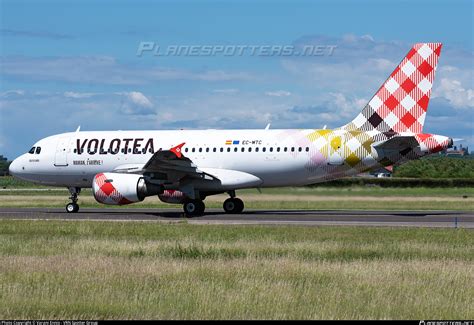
186,166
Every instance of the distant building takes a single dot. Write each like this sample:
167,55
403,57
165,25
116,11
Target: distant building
457,152
381,172
3,166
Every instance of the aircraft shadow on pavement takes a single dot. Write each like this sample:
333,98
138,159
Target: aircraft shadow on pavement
150,215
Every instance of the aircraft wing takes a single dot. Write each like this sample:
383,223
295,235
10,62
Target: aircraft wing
172,166
169,165
172,162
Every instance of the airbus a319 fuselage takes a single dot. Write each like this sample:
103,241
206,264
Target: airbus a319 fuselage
186,166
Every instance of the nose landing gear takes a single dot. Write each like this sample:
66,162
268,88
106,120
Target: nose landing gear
73,207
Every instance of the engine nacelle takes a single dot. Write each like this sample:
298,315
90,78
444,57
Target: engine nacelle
172,196
121,189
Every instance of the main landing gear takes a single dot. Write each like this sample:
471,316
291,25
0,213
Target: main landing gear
73,207
195,208
233,205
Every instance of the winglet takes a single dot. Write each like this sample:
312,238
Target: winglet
177,150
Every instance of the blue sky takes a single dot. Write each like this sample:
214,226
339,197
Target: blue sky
70,63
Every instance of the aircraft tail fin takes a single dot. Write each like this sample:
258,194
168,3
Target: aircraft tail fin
401,103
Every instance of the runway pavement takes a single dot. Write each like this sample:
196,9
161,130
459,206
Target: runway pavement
451,219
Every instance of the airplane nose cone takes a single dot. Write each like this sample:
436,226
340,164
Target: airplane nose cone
15,168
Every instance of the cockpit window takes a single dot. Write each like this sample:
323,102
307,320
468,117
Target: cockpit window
38,150
32,150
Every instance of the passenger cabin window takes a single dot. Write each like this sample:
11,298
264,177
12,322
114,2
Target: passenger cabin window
32,150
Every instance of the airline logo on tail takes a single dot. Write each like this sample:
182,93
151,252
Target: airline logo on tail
401,103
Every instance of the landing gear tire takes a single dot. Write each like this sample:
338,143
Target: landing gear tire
194,208
72,207
233,205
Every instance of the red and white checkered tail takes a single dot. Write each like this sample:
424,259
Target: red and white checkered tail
401,103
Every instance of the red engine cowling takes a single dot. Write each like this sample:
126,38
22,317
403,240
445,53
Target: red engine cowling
121,189
172,196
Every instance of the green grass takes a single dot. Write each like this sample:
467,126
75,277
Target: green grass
253,202
18,194
333,191
73,270
285,198
12,182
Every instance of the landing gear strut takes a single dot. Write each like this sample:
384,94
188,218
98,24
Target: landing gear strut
194,208
73,207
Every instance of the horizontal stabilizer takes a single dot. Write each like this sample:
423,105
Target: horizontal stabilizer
397,143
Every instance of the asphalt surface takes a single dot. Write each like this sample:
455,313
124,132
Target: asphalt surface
451,219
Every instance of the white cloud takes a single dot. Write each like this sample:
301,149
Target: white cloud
278,93
12,93
324,90
76,95
105,70
360,64
455,93
454,84
139,99
225,91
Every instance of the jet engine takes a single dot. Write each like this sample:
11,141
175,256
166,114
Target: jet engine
121,189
